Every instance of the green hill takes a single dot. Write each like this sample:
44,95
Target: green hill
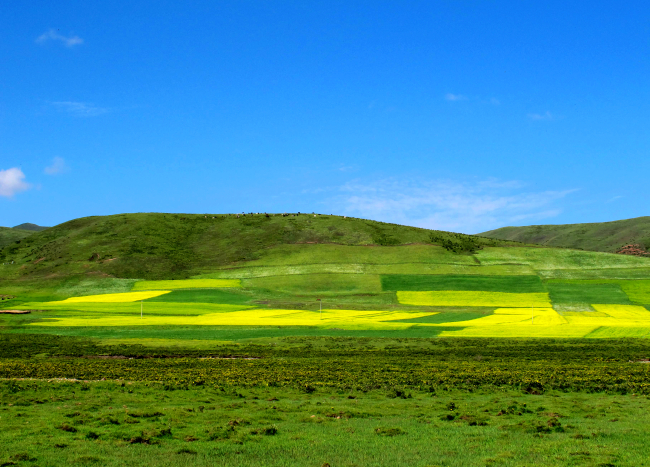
29,226
156,246
600,236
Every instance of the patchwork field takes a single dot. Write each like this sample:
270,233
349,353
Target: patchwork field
302,340
472,305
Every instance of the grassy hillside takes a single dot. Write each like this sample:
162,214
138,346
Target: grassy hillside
174,246
9,236
601,236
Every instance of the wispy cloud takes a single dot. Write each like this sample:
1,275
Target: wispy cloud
450,97
446,205
455,97
58,167
544,116
79,109
53,35
12,181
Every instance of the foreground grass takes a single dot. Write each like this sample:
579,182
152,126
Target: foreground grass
307,401
114,423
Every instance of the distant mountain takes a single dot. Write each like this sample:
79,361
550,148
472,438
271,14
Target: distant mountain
28,226
629,236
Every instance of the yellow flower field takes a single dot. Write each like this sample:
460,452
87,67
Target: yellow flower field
186,284
466,298
506,321
612,315
113,297
515,317
351,319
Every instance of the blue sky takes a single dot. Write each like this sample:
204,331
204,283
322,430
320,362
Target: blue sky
456,115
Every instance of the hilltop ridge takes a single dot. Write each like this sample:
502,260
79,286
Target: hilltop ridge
609,237
30,226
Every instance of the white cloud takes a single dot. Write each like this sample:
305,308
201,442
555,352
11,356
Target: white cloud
544,116
455,97
58,166
79,109
446,205
53,35
12,181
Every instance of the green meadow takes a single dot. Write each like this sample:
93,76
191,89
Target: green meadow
317,340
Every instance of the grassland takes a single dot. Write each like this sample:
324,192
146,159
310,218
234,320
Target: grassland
175,340
308,401
138,424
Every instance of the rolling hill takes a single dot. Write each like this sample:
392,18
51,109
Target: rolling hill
166,246
601,236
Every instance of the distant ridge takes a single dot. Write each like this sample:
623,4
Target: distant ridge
28,226
628,236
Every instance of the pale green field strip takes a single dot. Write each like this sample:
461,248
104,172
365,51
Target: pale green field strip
552,259
588,274
161,342
96,286
285,255
317,283
610,332
637,291
186,284
465,298
250,272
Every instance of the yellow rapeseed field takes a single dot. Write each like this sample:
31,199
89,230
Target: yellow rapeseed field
467,298
113,297
350,319
612,315
186,284
521,321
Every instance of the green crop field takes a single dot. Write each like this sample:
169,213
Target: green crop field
302,339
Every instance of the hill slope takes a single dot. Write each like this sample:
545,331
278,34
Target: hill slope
603,236
179,245
9,236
